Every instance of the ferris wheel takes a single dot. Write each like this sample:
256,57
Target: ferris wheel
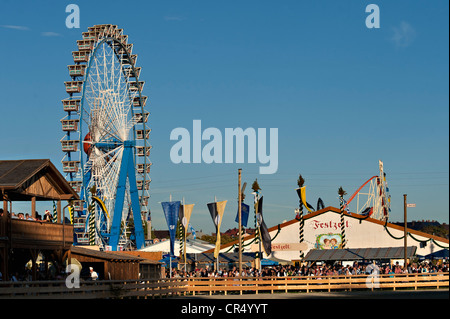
106,141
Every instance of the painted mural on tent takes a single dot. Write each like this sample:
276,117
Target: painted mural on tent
328,241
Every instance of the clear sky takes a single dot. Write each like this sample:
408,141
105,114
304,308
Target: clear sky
341,95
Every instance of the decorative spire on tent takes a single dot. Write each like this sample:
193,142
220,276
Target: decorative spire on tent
341,193
299,215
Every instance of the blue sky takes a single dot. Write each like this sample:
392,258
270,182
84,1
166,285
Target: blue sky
341,95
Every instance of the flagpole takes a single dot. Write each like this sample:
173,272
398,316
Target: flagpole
240,220
259,232
217,235
170,253
185,231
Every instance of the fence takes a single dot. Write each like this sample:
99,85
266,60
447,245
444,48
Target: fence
249,285
92,289
325,283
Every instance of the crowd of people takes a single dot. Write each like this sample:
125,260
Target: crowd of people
54,272
46,218
314,270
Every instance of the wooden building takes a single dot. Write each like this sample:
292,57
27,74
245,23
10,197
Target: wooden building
115,265
21,240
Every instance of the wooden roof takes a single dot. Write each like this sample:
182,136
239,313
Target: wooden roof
24,179
109,255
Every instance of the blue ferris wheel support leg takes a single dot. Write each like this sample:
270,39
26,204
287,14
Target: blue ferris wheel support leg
127,170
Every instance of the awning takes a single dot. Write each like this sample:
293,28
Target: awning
440,254
223,257
359,253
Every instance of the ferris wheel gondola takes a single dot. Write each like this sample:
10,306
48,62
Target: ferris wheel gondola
106,141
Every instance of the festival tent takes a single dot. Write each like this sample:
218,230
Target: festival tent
440,254
357,254
192,246
268,262
323,230
166,261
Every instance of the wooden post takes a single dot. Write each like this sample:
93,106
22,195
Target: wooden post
58,211
34,255
240,221
4,228
33,207
405,230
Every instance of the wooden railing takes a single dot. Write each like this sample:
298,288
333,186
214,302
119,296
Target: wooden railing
238,285
92,289
324,283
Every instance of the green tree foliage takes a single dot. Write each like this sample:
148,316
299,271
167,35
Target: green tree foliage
224,239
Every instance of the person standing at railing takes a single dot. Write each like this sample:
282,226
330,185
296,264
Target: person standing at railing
94,275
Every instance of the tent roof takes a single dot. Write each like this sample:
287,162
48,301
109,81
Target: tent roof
192,246
335,210
108,255
223,257
39,178
359,253
443,253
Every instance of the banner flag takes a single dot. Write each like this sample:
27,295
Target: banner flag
244,214
303,198
171,212
320,204
216,210
185,214
264,231
192,231
346,207
102,205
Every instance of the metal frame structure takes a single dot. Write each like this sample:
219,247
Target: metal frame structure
106,142
374,203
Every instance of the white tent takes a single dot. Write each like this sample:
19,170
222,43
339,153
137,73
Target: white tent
360,232
192,246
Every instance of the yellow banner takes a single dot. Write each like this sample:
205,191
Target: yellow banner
102,205
187,214
220,210
303,196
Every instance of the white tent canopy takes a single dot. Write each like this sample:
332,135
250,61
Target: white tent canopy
192,246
